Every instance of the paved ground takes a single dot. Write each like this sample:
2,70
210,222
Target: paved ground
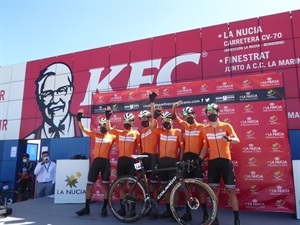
43,211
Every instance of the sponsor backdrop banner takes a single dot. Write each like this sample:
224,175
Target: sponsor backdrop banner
71,179
254,105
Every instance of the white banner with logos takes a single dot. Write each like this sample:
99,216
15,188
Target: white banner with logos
71,179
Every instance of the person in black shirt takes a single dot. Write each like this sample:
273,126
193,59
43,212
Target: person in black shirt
25,179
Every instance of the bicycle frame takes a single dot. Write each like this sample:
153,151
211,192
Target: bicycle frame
177,177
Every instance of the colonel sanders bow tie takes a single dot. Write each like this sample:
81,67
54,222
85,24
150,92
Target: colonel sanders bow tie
56,130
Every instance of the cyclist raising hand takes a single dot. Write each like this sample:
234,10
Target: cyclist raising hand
149,143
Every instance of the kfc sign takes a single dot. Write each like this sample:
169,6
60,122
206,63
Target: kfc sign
137,76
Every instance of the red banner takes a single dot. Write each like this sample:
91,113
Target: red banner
254,105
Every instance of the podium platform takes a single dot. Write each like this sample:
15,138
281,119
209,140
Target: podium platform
43,211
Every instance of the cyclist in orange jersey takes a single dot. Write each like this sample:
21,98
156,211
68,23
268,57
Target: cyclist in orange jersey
192,149
101,162
129,144
149,143
217,138
170,146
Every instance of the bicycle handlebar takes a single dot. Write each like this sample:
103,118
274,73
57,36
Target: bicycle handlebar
180,165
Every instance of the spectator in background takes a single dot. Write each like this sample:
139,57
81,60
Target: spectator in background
101,162
25,180
45,174
217,138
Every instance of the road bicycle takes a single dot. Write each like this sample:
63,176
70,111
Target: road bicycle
186,194
7,195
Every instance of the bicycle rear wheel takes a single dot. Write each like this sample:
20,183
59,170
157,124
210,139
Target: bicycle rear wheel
193,203
8,197
132,206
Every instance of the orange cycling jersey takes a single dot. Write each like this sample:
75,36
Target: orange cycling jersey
218,148
129,141
169,142
103,143
193,136
149,141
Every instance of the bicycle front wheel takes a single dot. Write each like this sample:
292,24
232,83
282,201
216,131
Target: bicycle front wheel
193,202
127,199
8,197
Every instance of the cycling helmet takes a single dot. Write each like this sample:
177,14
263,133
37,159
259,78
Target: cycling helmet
188,110
144,113
212,106
128,116
102,121
166,115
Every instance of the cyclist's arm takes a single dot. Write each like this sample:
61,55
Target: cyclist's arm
80,113
108,113
175,105
84,129
205,145
232,135
153,123
203,152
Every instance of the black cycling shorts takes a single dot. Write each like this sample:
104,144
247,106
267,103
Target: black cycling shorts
221,167
166,162
99,165
150,163
125,166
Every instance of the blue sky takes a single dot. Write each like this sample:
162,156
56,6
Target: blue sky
35,29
